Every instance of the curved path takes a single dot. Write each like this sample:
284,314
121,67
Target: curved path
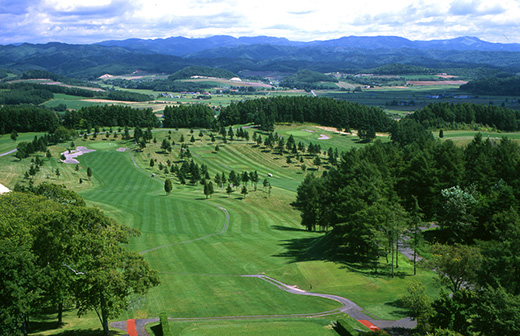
349,308
7,153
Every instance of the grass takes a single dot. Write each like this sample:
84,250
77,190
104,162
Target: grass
288,327
463,138
201,277
246,328
7,144
422,95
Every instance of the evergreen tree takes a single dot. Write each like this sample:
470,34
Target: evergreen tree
168,186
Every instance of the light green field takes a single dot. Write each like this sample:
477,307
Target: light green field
253,328
7,144
465,137
72,102
201,255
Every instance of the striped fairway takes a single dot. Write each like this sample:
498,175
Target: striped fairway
199,255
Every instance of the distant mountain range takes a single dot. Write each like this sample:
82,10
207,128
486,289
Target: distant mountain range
182,46
260,54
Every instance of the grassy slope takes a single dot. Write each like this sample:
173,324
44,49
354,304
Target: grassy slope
200,278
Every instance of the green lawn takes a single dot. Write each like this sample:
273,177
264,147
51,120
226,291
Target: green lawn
251,328
8,144
201,256
462,138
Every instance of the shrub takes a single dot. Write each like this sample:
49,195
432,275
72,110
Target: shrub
165,326
345,329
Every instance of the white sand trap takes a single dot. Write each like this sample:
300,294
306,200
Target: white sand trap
324,137
71,157
3,189
308,130
122,149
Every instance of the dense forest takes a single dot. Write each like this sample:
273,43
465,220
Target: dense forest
402,69
189,116
27,119
453,116
110,115
494,86
381,193
128,96
21,87
324,111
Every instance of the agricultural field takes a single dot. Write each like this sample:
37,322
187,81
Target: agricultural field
207,249
397,98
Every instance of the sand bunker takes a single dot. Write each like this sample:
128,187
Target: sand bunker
70,157
3,189
122,149
324,137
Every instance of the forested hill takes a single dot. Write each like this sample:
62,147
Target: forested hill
181,46
92,61
509,86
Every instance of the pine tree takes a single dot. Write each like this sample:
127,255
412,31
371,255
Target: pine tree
168,186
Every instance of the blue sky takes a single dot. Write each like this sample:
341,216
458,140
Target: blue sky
88,21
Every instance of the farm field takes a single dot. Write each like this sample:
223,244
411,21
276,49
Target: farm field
421,95
202,247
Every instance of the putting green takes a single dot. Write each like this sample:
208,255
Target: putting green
104,145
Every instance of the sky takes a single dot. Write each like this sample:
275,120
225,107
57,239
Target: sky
90,21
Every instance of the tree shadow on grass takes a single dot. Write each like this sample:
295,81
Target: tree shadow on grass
157,330
287,228
85,332
41,326
306,249
398,307
396,331
324,248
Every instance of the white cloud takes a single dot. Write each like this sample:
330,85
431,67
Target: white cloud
78,21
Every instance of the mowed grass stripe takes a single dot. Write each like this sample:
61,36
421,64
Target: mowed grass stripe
208,296
159,212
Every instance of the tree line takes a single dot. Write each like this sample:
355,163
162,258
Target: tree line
110,115
323,111
495,86
188,116
27,118
448,115
378,194
56,252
